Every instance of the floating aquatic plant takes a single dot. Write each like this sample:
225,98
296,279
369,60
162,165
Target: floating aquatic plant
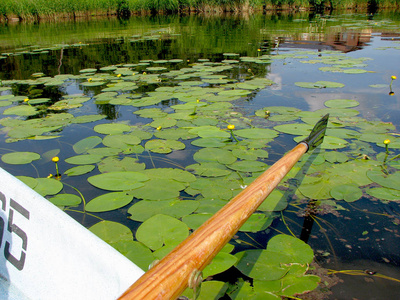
178,118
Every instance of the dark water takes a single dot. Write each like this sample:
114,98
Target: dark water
99,42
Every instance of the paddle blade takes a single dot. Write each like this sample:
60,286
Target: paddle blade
316,136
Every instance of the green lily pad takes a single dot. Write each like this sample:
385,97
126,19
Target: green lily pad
298,250
112,232
163,122
164,146
210,132
79,170
256,133
341,103
209,142
220,263
104,151
295,129
335,156
175,134
19,158
257,222
161,230
29,181
319,84
390,181
276,201
316,188
122,141
194,221
86,144
214,155
384,193
87,119
209,169
48,186
113,164
84,159
253,263
138,253
145,209
347,192
89,70
248,166
209,290
159,189
66,200
112,128
109,201
21,110
250,154
118,181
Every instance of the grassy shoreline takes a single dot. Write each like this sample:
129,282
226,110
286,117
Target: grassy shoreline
59,9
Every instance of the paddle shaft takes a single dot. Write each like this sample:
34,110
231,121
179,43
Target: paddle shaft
170,277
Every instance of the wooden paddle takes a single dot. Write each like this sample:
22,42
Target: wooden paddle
170,276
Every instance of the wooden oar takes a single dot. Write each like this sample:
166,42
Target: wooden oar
170,276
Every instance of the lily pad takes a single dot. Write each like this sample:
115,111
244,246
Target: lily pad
257,222
118,181
112,128
161,230
66,200
276,201
109,201
253,263
298,250
214,155
164,146
256,133
391,181
79,170
48,186
384,193
84,159
347,192
341,103
21,110
248,166
145,209
86,144
159,189
19,158
112,232
220,263
209,169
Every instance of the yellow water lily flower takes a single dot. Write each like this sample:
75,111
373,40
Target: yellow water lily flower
386,142
231,127
394,77
55,159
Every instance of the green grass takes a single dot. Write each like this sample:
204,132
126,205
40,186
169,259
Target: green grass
36,9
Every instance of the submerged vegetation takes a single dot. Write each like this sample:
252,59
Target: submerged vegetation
54,9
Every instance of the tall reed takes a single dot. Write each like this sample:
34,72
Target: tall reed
36,9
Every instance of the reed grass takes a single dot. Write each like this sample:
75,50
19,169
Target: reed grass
36,9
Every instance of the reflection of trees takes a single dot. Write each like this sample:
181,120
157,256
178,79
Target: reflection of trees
109,110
